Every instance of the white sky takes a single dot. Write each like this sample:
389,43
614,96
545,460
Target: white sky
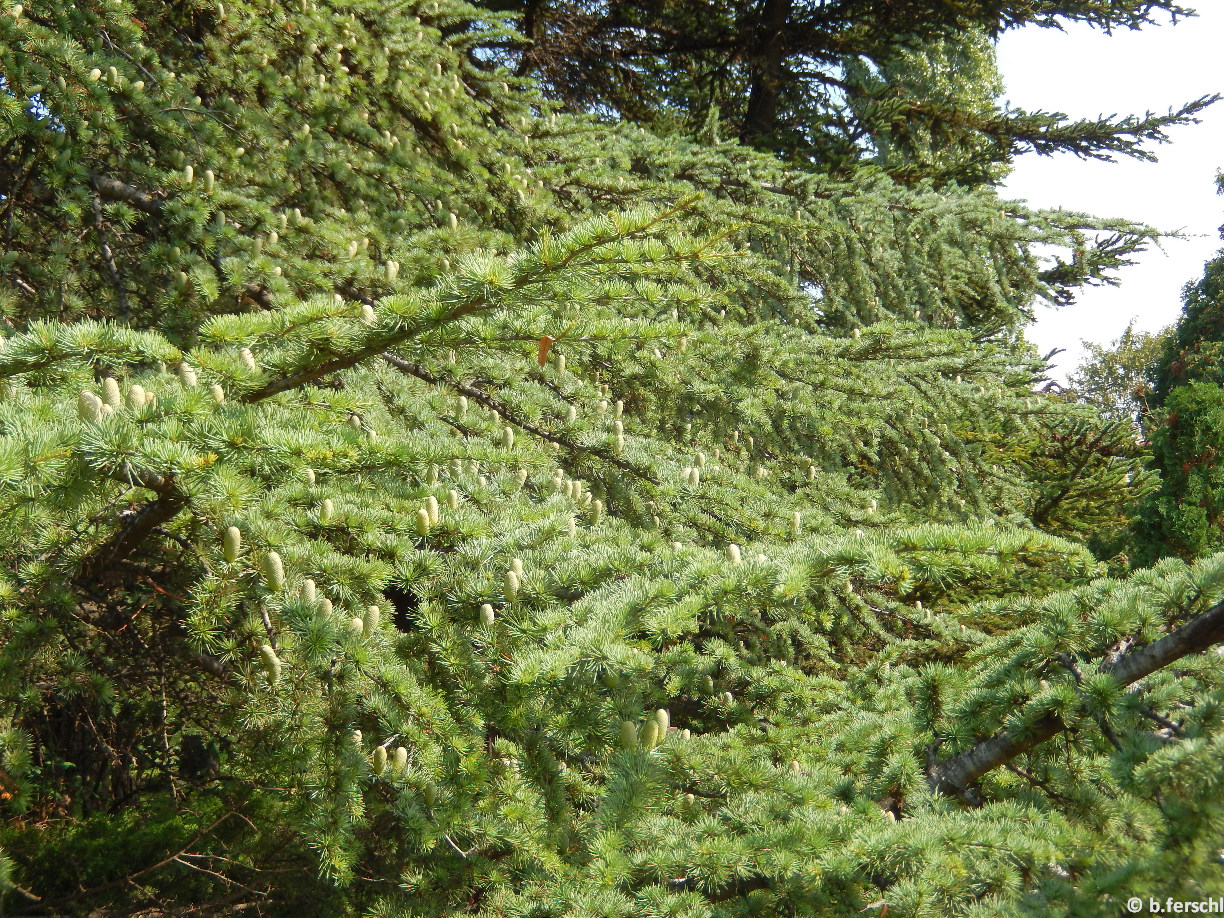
1085,73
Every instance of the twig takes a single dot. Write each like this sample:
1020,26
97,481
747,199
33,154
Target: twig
144,871
1169,725
179,859
185,545
462,853
108,259
267,623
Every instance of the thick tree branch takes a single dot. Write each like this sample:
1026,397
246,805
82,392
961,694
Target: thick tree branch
1193,637
114,190
955,775
127,540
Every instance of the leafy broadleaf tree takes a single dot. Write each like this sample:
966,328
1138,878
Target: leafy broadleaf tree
1119,379
415,500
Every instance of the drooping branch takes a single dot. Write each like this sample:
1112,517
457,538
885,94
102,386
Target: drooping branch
461,308
955,775
311,372
508,414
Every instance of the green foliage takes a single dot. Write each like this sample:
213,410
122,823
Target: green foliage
1186,517
958,82
1184,416
156,845
1193,351
1088,478
1120,379
910,87
416,501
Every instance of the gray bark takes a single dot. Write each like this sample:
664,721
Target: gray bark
955,776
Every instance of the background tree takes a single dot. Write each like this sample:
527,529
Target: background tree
1119,378
835,84
1184,517
415,500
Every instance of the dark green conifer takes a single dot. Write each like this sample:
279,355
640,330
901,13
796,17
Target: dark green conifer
1185,417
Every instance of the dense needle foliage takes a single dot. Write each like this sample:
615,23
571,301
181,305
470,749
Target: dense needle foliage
418,497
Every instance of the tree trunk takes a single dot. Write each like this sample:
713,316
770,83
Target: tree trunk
766,65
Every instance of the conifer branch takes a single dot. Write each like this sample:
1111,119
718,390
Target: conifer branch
419,372
459,308
114,190
955,775
309,374
127,540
